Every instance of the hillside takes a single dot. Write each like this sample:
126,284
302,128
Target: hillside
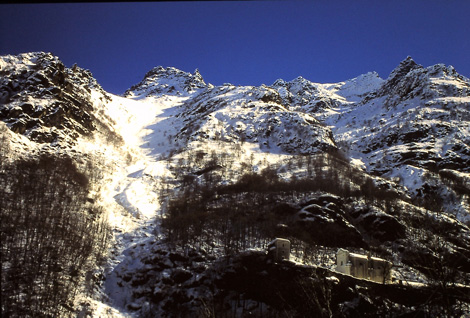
161,202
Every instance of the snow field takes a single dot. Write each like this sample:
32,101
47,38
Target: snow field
128,191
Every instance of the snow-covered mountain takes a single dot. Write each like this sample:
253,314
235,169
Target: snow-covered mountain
193,180
418,116
47,102
314,96
168,81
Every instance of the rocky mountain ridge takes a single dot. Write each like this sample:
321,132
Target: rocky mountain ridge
170,81
47,102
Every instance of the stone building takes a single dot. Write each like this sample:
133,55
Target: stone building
364,266
279,249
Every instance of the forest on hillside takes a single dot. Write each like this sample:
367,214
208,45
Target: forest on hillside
324,204
53,234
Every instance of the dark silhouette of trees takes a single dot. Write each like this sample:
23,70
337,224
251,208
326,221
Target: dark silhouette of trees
437,248
245,213
52,234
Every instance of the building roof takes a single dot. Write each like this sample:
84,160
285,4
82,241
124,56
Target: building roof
358,255
278,239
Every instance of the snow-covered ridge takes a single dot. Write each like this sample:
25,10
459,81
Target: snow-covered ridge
169,81
419,115
252,114
48,102
356,88
306,96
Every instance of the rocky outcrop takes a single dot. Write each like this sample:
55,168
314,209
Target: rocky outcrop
46,101
410,80
252,114
168,81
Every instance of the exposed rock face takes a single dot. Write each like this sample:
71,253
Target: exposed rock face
298,91
378,224
418,116
391,86
46,101
169,81
325,222
410,80
252,114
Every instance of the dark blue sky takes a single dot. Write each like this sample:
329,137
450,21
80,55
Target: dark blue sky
242,42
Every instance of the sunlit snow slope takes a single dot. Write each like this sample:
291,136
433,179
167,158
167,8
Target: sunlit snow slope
145,125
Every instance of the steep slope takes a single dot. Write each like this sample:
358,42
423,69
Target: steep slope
54,230
252,114
168,81
414,127
194,181
50,111
315,97
419,115
230,113
47,102
275,192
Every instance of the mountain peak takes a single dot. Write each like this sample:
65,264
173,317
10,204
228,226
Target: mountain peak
353,89
403,68
160,71
46,101
196,73
398,75
279,82
168,81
